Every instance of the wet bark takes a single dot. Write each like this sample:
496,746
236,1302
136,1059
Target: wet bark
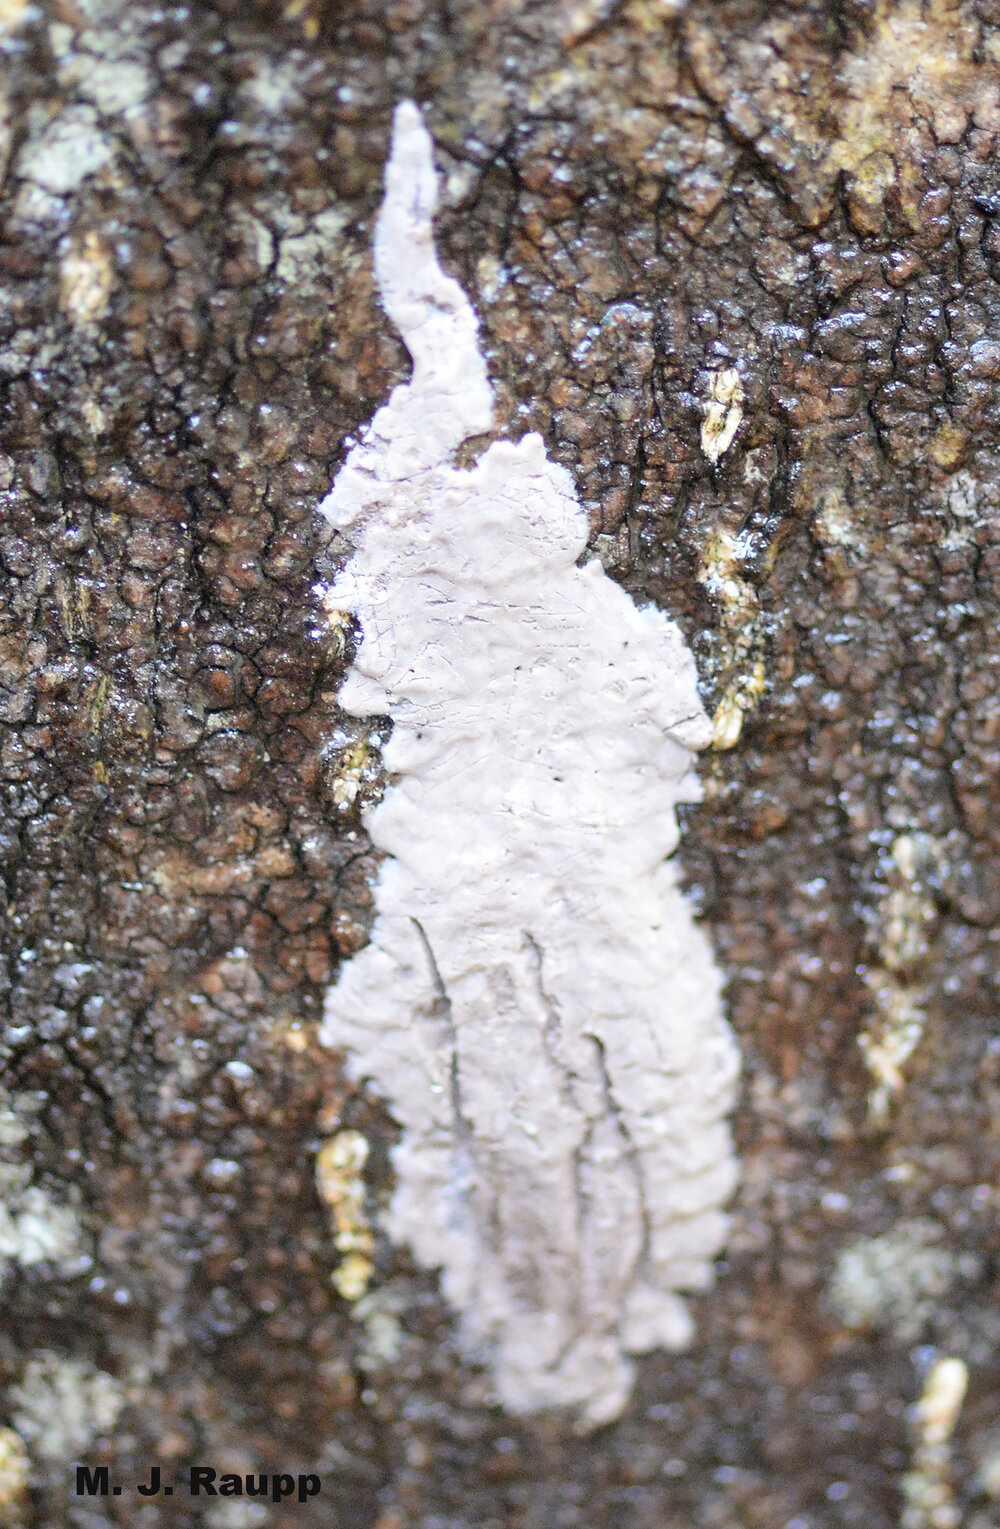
675,222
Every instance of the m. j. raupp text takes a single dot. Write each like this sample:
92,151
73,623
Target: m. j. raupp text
202,1481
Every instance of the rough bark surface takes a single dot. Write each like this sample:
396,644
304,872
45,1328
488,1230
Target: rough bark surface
643,200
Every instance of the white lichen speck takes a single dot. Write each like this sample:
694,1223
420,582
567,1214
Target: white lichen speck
537,1004
723,413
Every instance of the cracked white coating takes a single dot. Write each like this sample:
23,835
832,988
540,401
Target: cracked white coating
537,1004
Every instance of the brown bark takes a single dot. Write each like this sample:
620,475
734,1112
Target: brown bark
639,199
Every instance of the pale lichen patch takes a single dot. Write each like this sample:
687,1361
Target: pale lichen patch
302,257
380,1316
920,71
103,62
70,149
61,1405
835,523
274,86
894,1033
116,86
918,60
35,1230
898,1281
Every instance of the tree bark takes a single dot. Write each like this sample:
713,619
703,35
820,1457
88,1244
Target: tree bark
738,264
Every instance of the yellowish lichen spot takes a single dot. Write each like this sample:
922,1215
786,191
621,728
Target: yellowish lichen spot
927,1490
906,915
741,659
11,15
340,1164
85,280
14,1473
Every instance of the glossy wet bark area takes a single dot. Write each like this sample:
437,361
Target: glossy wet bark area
640,199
